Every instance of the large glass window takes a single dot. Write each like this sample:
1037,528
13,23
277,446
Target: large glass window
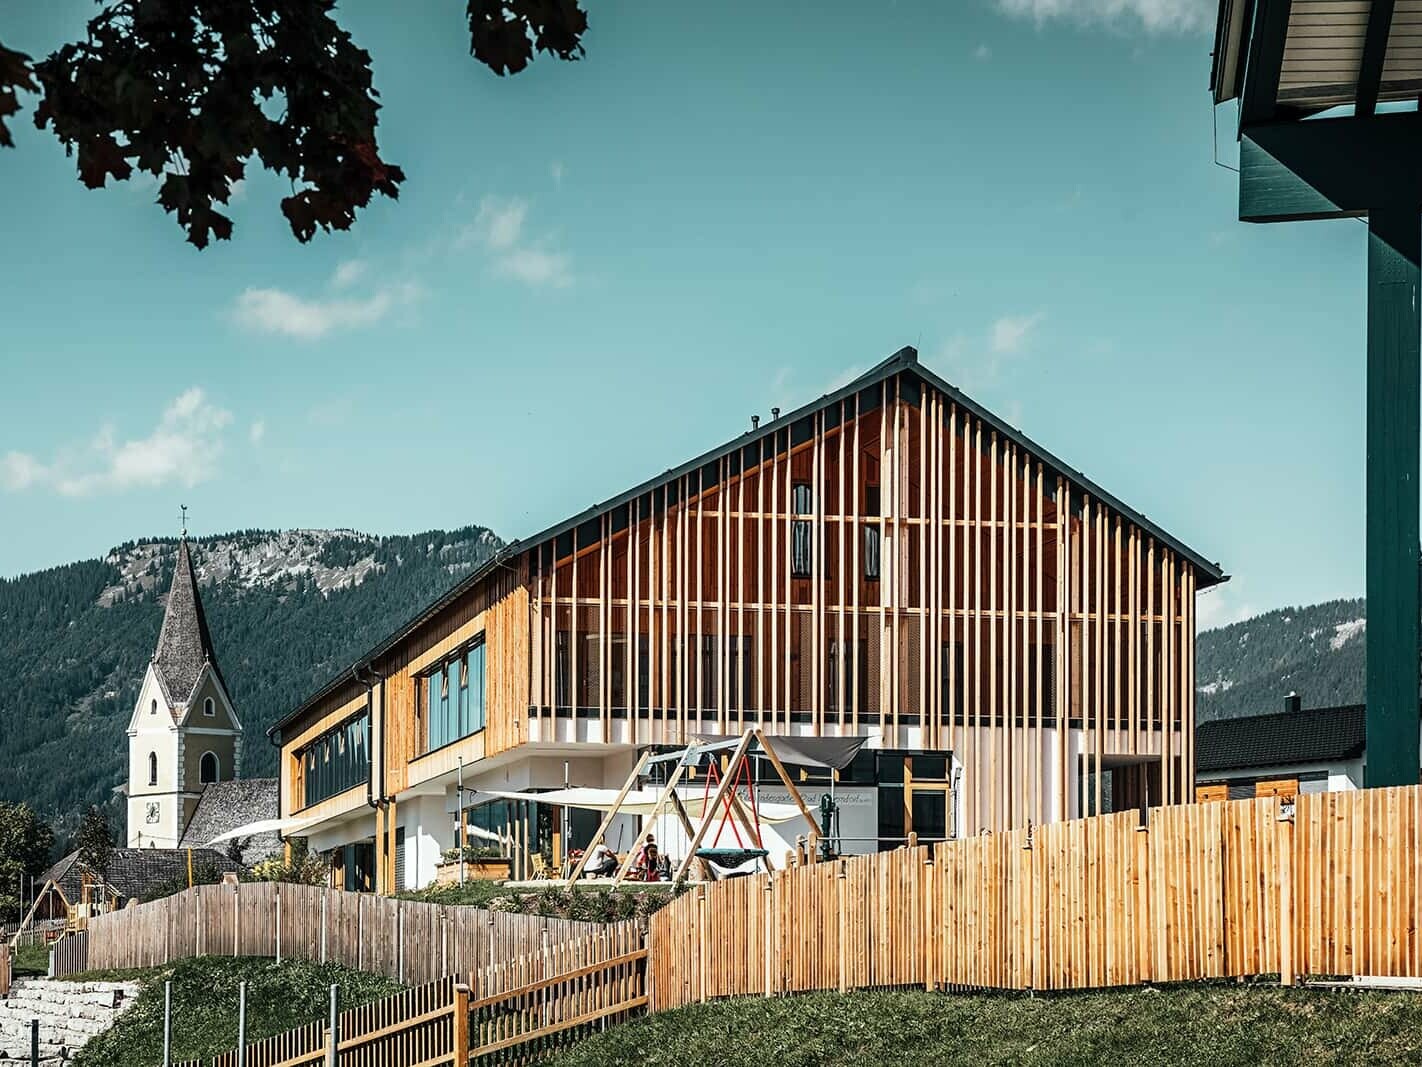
337,760
455,697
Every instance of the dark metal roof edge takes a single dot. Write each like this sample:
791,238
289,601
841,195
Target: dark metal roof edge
905,358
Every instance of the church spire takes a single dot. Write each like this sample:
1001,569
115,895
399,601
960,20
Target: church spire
184,644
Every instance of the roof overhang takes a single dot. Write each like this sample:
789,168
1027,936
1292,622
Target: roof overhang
1290,58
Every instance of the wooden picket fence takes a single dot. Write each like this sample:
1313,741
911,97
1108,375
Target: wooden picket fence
1329,884
410,941
507,1012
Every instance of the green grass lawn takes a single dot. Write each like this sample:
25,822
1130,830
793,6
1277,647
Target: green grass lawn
30,961
1209,1025
280,996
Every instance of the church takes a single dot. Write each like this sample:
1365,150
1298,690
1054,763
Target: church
185,738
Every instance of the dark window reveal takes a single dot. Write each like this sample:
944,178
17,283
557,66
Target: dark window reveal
871,552
801,535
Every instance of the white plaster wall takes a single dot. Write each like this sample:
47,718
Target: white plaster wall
429,830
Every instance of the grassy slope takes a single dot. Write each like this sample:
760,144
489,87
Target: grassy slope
279,997
30,961
1212,1026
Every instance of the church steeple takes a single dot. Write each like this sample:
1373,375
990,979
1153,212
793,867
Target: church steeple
184,644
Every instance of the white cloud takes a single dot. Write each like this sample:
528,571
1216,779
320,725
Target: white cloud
982,53
279,312
1154,16
20,470
500,222
1009,334
349,272
535,266
183,449
499,229
258,431
1218,606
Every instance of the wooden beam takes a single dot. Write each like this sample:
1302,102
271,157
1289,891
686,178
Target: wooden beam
1370,67
780,770
647,825
607,819
716,803
1259,101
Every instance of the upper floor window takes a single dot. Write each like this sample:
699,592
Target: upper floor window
801,535
871,552
152,768
454,697
153,709
209,709
207,768
337,760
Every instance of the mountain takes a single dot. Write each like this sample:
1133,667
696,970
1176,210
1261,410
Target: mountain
287,609
1319,652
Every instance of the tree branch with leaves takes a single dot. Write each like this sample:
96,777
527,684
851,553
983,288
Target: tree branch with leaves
194,91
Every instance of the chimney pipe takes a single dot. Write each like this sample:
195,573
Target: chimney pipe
755,423
774,413
1293,702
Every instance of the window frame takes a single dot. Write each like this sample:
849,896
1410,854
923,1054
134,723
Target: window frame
462,713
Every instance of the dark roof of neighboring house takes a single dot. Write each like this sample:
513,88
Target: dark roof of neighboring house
905,360
184,644
225,806
1316,735
134,872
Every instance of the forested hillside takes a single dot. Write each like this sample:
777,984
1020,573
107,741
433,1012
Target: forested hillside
286,610
1319,652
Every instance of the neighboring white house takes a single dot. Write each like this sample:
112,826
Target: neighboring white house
1318,750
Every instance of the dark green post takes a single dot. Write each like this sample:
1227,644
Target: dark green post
1394,380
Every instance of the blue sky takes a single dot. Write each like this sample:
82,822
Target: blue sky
598,269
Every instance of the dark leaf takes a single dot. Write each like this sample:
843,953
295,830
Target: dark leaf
15,74
504,33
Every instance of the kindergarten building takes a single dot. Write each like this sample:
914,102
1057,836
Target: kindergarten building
891,561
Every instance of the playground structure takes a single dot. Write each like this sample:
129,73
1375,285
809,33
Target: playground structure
725,807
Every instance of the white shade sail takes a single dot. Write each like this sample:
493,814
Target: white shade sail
637,802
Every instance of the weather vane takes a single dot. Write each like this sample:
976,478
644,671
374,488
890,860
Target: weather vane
185,519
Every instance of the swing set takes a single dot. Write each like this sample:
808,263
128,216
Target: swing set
724,806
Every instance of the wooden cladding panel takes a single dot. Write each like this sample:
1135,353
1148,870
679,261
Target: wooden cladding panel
889,563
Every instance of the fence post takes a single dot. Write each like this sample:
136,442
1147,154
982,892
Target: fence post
4,969
703,948
277,890
843,880
770,952
1285,824
333,1028
34,1043
168,1023
241,1024
461,1025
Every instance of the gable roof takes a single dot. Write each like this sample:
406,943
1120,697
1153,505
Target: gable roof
905,360
184,643
1316,735
135,872
225,806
